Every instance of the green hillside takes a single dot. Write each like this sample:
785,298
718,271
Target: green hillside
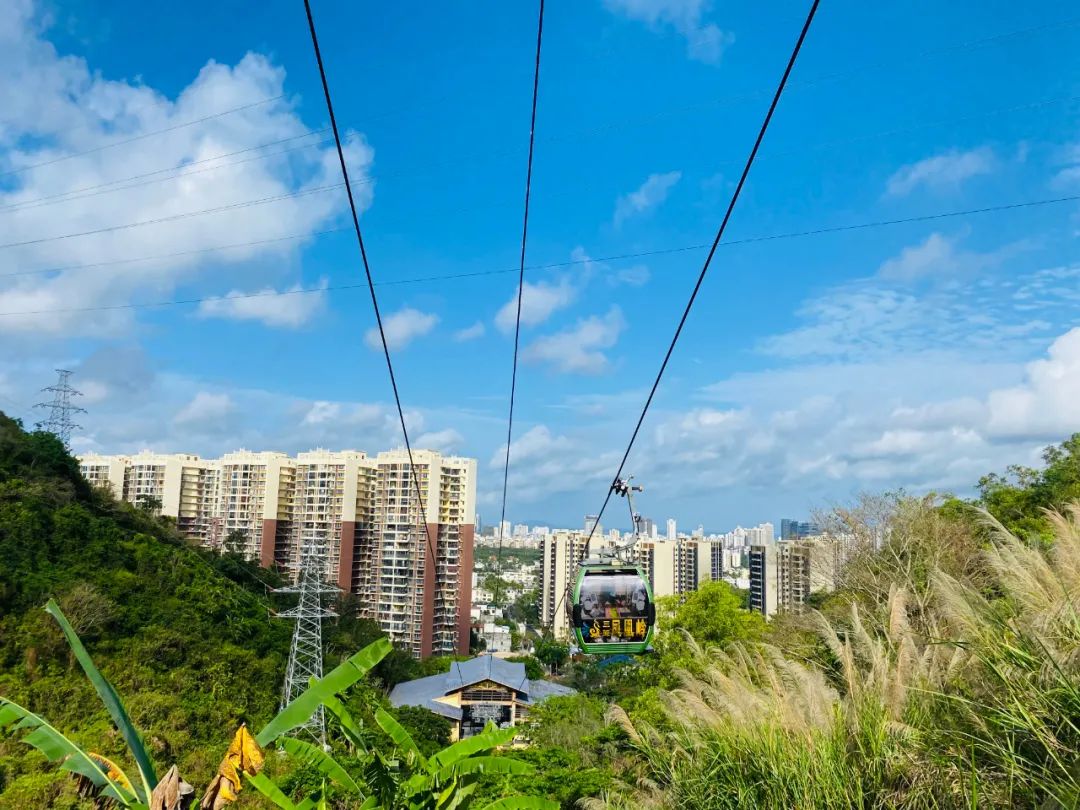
185,636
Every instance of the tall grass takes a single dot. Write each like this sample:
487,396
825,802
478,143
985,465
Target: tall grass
976,703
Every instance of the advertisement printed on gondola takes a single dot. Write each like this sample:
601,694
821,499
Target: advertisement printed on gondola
614,608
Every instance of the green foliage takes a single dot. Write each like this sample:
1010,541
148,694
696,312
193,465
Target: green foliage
525,609
551,653
534,670
1018,497
713,614
430,731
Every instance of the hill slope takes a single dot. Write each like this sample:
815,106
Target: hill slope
185,636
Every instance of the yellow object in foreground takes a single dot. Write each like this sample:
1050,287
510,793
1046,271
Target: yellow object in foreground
243,756
112,771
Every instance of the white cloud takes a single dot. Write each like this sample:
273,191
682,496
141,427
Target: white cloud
579,350
269,306
935,256
1045,405
56,105
539,302
321,412
635,276
205,408
648,196
442,440
473,332
704,41
885,314
946,171
401,328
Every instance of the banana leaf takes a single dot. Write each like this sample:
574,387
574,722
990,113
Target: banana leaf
112,703
486,740
58,748
265,785
353,731
471,765
323,762
340,678
398,734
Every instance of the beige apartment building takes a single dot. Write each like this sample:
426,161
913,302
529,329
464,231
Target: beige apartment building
805,566
361,510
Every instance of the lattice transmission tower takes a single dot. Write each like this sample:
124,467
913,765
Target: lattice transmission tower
60,408
306,652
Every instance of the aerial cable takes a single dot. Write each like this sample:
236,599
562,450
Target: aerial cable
182,171
142,136
821,145
291,195
520,291
701,278
776,237
432,562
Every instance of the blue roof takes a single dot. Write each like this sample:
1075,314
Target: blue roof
425,691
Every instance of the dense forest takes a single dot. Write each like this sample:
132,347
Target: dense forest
943,670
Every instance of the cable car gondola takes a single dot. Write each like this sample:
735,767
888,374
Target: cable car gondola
612,609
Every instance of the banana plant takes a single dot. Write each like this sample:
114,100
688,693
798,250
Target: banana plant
105,776
102,777
406,780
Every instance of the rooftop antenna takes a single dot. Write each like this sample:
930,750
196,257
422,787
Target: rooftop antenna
306,652
60,408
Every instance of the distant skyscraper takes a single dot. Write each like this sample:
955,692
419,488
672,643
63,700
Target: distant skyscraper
671,533
590,523
793,529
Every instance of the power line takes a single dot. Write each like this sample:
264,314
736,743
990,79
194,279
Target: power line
140,137
812,81
704,270
175,217
857,226
137,259
181,172
433,560
520,291
820,145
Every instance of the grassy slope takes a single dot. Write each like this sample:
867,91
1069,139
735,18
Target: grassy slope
192,651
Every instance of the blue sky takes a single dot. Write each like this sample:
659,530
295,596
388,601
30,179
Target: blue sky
920,355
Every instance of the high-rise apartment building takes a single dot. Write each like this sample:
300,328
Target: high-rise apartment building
671,533
180,485
106,472
408,562
255,499
764,581
805,566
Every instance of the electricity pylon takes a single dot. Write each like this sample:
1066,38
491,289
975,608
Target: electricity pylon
306,652
60,408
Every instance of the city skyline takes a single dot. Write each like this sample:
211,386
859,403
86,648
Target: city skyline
203,284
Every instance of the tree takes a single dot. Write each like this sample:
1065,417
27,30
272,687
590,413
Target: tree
431,731
1018,497
713,614
148,503
551,653
534,670
234,542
